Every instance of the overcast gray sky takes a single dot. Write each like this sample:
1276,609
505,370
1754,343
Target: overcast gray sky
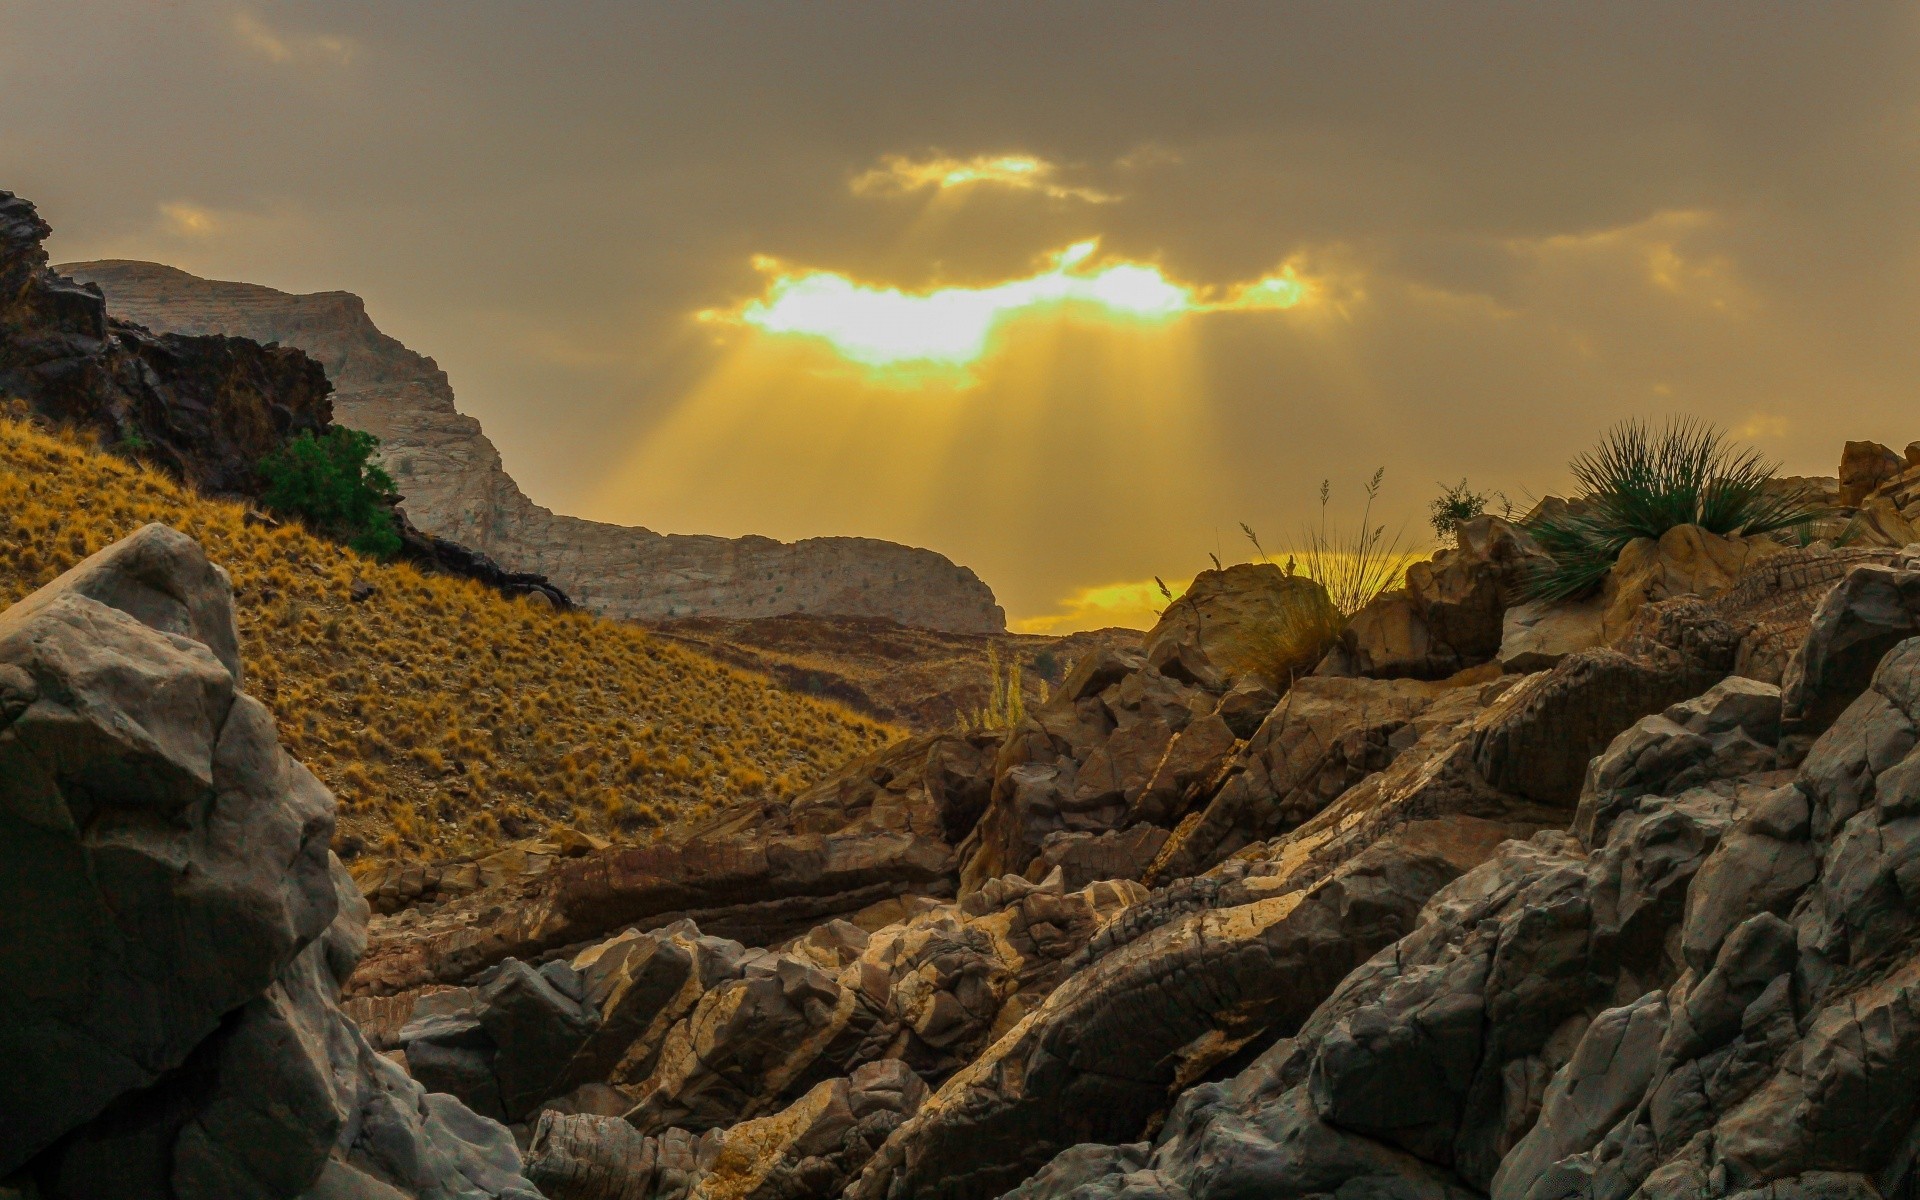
1505,227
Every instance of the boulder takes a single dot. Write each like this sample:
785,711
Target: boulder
1250,620
1864,466
1536,635
1450,614
1684,561
164,858
1873,608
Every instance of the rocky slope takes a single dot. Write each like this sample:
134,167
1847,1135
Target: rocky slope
1631,920
456,488
527,717
204,407
921,679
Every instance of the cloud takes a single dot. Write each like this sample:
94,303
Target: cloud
899,175
1135,604
263,40
880,326
182,219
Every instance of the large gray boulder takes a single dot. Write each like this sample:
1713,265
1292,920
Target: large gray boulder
177,931
162,857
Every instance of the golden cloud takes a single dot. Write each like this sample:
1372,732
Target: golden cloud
188,220
898,175
1135,604
265,41
881,327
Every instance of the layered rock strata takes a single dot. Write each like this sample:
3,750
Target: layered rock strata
456,488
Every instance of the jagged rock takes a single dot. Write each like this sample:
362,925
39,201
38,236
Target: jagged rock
536,1028
1864,466
1539,745
1085,858
206,409
1448,617
1102,1051
588,1157
455,487
1088,758
758,887
1321,740
1873,608
1248,620
1730,730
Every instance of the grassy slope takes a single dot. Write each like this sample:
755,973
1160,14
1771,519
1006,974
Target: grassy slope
445,717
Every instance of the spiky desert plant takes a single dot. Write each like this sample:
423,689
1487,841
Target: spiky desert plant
1641,482
1354,567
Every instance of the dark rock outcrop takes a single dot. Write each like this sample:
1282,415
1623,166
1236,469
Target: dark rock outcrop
206,408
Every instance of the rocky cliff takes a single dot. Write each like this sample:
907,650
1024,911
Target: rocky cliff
456,488
206,408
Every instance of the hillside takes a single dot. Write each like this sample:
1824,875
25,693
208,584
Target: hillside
457,488
446,718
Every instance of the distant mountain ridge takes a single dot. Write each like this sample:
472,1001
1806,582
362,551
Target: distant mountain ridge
457,488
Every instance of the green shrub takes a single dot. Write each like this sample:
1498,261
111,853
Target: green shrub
332,484
1456,504
1641,483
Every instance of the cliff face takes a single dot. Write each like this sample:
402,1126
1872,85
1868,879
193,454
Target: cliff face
456,488
205,407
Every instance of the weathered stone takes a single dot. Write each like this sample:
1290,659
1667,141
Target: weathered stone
1728,731
1864,466
151,820
1873,608
1248,620
1450,614
1601,1083
536,1031
1099,1054
1536,635
1684,561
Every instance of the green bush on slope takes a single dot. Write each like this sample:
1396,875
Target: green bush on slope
332,483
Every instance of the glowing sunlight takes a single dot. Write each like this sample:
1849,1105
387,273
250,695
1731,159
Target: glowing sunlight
882,327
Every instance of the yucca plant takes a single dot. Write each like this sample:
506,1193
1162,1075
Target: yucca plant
1640,482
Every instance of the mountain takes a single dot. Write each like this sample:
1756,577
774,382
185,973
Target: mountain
456,487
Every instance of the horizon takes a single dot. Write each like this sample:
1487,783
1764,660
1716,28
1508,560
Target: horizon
1064,299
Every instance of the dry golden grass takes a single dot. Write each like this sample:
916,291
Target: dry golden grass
445,717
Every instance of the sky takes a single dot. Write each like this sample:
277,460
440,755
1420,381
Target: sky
1066,291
